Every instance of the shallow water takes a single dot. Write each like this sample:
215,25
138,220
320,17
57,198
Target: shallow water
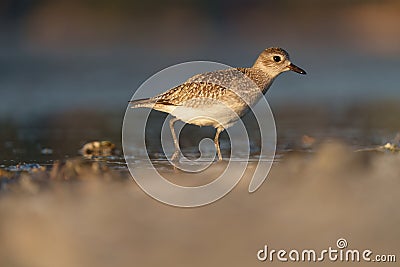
361,127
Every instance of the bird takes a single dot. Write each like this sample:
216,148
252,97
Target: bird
220,98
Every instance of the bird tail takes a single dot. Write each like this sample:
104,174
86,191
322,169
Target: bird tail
142,103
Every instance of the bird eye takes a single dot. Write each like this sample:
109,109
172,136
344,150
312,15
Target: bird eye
277,58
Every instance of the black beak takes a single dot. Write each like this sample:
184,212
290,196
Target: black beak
294,68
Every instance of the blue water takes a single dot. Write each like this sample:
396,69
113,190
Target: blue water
35,84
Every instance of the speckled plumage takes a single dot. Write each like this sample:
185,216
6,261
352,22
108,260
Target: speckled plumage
220,98
236,88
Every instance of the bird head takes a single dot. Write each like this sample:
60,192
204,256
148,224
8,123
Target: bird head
273,61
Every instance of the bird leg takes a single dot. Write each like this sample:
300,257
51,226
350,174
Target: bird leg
216,142
176,141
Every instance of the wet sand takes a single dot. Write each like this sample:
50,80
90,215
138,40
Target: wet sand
99,216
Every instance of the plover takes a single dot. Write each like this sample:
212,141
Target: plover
220,98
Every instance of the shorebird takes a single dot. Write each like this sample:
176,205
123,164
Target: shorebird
220,98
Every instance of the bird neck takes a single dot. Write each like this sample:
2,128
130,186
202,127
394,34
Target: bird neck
262,79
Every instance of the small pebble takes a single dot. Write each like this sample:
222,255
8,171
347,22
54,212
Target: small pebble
98,149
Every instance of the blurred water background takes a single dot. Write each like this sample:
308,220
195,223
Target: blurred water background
68,68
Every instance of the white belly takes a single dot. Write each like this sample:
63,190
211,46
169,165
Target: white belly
216,116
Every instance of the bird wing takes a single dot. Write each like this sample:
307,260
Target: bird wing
227,78
217,85
203,92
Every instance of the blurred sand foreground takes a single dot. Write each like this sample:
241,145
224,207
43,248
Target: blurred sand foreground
308,202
